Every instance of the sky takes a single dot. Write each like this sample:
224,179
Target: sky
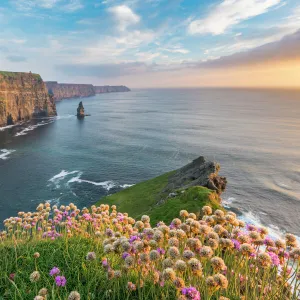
154,43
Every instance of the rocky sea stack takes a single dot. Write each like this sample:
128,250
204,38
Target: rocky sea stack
80,111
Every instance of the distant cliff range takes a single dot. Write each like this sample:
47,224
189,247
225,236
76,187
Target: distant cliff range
61,91
23,96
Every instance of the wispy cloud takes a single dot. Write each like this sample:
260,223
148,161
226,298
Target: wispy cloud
229,13
124,16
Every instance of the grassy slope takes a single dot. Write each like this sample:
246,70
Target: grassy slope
143,197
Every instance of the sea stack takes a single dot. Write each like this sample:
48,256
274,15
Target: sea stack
80,110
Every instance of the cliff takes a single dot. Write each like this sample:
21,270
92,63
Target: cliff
66,90
22,97
190,187
110,89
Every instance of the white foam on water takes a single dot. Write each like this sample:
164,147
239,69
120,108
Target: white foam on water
6,127
226,203
56,179
108,185
125,186
32,127
274,231
4,153
64,117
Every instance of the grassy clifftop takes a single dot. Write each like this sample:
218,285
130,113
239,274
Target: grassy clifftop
150,197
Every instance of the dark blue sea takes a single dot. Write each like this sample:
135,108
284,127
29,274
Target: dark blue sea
131,137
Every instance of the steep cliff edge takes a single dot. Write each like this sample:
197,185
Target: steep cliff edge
68,90
22,97
111,89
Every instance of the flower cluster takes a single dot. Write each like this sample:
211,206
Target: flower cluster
209,255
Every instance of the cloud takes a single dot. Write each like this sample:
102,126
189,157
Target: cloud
287,49
105,70
124,16
16,58
28,5
229,13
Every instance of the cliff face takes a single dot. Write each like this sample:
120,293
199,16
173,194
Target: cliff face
110,89
65,90
22,97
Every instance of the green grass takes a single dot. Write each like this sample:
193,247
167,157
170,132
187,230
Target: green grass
192,200
140,198
12,75
144,198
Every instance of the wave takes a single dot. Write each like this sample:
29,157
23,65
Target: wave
226,203
32,127
4,153
125,186
7,127
56,179
64,175
108,185
64,117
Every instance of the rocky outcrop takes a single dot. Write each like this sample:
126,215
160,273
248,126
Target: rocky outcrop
67,90
80,110
198,173
111,89
23,96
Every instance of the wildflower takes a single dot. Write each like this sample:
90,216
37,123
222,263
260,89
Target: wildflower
154,255
264,259
195,265
60,281
192,216
129,261
35,276
38,298
246,249
179,283
173,242
183,214
218,263
173,252
12,276
108,248
213,244
221,281
210,282
74,296
139,225
269,242
118,274
91,256
237,244
295,254
145,219
180,265
131,286
36,255
167,263
191,293
188,254
291,240
206,210
161,251
144,257
54,271
169,274
275,258
110,274
280,244
206,252
43,292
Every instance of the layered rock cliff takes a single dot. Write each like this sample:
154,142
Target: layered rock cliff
67,90
111,89
23,96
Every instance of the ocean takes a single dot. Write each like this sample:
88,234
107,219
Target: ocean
131,137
